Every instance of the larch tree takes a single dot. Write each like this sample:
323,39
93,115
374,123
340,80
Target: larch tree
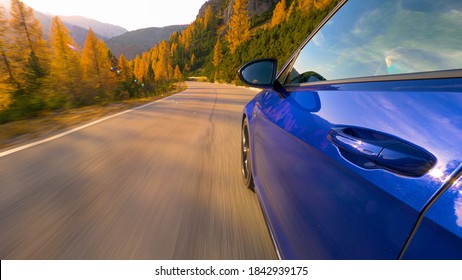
65,67
125,72
307,5
138,69
177,74
97,67
6,76
127,88
208,17
217,54
29,50
217,57
239,25
279,13
147,71
163,68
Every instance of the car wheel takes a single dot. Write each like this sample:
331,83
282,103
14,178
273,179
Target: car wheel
246,166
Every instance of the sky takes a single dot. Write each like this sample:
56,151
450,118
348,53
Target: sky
130,14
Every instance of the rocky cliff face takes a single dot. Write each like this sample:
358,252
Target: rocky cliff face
257,7
224,8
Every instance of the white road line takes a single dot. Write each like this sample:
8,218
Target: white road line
27,146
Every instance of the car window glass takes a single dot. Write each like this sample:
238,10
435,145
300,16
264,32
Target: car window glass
376,37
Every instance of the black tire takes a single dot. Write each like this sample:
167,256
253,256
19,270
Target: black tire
246,166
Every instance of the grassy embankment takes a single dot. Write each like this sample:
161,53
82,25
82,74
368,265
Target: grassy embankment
23,131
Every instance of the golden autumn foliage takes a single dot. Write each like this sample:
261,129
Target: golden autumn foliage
97,66
217,54
28,49
36,74
307,5
65,67
125,71
177,74
239,25
208,16
6,79
279,13
162,64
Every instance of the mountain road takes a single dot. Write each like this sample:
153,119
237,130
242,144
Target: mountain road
161,181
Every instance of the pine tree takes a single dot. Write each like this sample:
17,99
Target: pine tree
279,13
239,25
65,68
192,61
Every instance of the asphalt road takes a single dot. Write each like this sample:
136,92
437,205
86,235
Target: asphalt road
159,182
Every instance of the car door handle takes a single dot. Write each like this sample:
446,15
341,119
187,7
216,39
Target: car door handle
371,149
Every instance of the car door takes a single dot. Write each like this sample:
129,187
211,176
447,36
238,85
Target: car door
365,131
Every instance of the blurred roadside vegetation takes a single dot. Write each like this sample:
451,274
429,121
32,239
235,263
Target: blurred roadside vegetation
51,122
41,75
45,76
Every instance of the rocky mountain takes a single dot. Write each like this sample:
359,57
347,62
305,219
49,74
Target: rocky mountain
77,25
78,33
224,8
136,42
104,29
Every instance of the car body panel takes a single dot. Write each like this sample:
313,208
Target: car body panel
349,212
438,236
356,147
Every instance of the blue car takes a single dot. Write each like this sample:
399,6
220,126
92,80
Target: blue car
354,147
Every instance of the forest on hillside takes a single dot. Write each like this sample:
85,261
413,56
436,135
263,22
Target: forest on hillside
38,75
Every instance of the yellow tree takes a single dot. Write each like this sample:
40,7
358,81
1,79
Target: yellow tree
307,5
146,62
279,13
239,25
163,68
97,66
125,72
208,17
217,57
290,10
6,75
65,68
217,54
29,49
321,4
177,74
138,69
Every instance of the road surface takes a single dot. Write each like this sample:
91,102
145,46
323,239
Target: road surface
159,182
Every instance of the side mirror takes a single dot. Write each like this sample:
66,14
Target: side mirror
259,73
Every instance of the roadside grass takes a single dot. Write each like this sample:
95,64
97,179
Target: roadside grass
48,124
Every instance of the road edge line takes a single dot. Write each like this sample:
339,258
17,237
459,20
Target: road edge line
57,136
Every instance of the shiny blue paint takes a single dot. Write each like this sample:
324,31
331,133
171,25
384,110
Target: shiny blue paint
357,155
320,204
439,236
